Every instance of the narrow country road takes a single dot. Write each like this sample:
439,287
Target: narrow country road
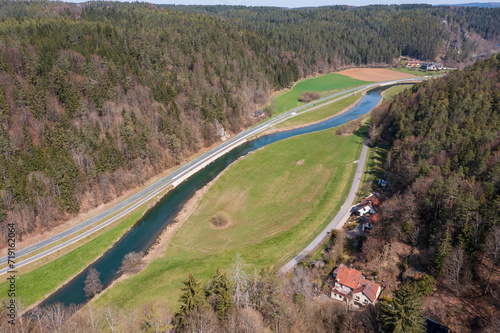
123,208
338,220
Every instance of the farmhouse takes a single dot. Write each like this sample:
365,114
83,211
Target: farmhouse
352,287
413,63
432,66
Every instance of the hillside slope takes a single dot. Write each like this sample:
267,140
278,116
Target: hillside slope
97,97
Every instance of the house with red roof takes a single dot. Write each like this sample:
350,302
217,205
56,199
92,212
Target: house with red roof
369,222
413,63
369,205
352,287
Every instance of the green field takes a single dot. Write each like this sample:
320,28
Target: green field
276,207
419,72
320,113
332,82
34,285
393,91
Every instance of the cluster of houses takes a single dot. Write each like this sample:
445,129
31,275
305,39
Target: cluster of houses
367,210
429,66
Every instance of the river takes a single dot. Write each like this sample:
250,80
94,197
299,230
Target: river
149,227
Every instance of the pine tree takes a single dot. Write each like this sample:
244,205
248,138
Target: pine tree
219,294
404,313
442,252
191,299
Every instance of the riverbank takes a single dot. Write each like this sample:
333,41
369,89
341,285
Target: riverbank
281,127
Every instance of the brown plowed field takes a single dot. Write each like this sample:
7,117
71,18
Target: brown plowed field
375,74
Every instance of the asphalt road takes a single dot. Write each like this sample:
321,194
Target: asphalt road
338,220
174,178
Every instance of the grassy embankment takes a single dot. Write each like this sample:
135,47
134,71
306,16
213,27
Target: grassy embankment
277,200
320,113
420,72
326,85
390,93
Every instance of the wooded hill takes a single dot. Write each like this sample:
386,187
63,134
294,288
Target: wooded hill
444,174
97,97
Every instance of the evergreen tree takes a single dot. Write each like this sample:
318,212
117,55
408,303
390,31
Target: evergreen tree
219,294
442,252
404,313
191,299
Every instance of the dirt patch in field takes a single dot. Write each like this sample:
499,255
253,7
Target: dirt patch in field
300,162
375,74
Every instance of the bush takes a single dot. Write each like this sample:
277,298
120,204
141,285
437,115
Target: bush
349,128
425,284
220,220
308,96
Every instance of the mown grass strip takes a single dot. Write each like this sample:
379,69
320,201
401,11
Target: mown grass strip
320,113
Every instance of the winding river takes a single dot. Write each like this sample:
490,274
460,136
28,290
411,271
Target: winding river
144,233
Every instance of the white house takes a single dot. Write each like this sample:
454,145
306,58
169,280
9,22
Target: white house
367,206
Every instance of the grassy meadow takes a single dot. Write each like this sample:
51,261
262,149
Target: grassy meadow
332,83
320,113
390,93
276,199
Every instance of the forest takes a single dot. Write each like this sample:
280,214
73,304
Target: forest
443,171
96,98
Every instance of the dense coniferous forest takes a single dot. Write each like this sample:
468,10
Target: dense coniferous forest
96,98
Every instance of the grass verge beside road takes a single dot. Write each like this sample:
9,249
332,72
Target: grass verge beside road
277,200
36,284
321,113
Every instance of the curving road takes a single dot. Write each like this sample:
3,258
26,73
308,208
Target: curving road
173,179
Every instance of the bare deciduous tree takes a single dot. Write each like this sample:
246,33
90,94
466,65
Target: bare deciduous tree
454,266
92,283
492,252
250,321
201,320
53,317
132,263
371,247
239,280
